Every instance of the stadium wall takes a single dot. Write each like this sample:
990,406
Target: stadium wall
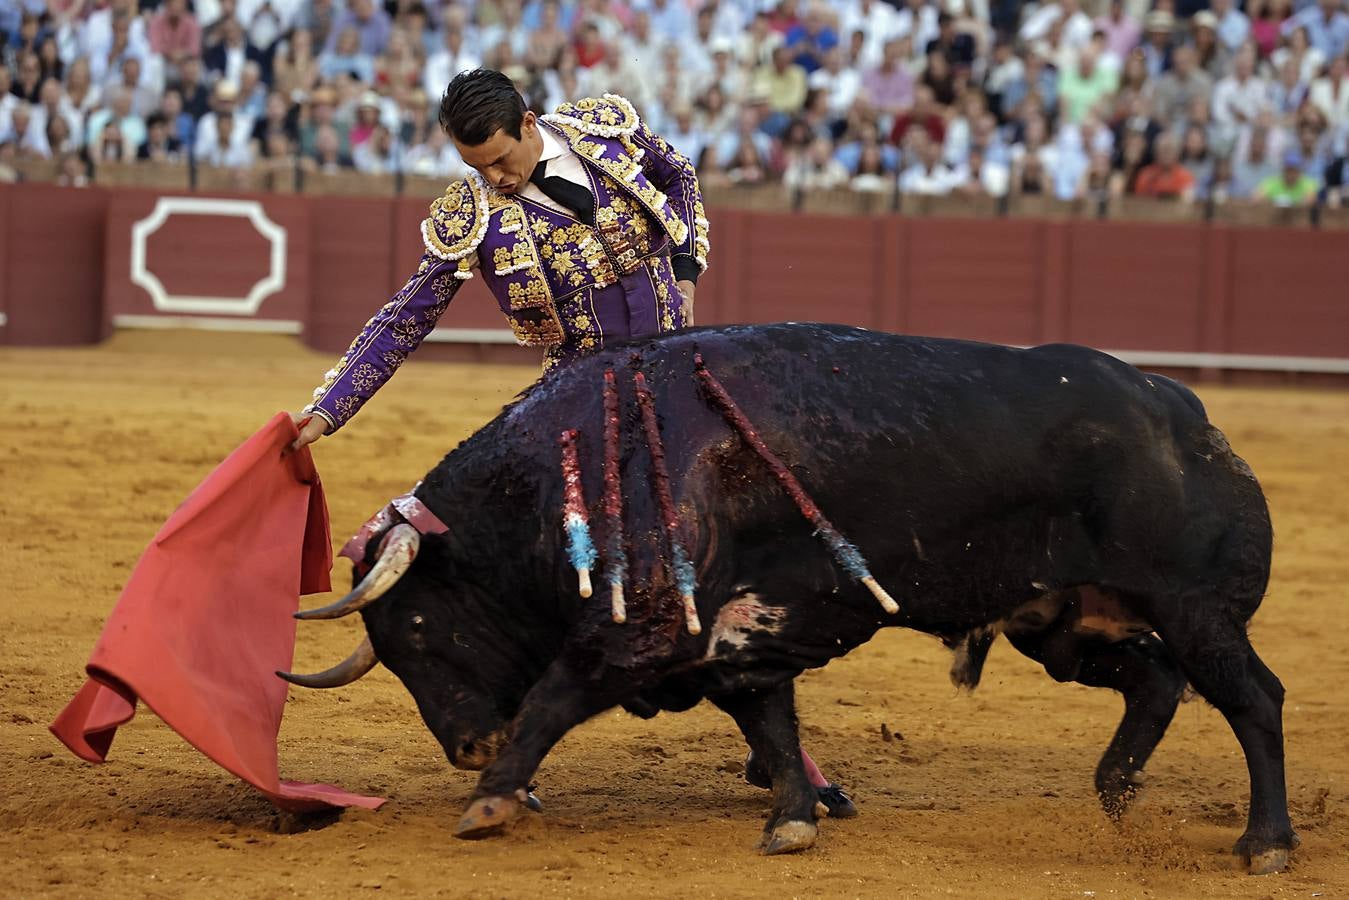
1205,297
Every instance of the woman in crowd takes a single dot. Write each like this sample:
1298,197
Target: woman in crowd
1195,155
1267,17
296,69
1131,157
398,65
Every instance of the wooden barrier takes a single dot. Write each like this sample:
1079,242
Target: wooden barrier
53,269
1202,296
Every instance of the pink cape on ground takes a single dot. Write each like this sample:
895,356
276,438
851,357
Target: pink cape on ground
205,620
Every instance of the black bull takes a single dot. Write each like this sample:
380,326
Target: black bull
1088,511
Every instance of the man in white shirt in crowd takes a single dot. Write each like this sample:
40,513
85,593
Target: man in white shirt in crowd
1239,98
207,141
928,175
457,55
1076,27
877,20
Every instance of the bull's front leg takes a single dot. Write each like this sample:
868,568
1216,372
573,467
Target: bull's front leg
558,702
767,718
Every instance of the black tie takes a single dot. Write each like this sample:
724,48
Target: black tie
566,193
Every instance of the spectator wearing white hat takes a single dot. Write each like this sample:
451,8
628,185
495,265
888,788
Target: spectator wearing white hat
1158,30
223,133
1214,57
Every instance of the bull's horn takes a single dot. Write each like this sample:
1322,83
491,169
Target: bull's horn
361,660
396,553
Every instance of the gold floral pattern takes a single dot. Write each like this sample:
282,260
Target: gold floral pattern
365,377
608,116
346,407
394,358
458,220
407,332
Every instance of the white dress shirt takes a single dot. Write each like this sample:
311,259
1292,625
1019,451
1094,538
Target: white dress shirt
559,161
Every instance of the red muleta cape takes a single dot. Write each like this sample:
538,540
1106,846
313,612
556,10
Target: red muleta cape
205,620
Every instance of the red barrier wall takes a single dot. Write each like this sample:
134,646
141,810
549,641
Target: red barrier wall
67,258
53,265
199,255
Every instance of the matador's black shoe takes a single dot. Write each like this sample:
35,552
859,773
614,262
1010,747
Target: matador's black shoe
839,803
835,799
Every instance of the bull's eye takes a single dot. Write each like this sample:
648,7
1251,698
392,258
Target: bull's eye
417,623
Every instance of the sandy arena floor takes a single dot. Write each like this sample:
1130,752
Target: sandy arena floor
984,795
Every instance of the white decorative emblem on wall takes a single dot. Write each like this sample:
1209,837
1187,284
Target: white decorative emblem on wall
203,206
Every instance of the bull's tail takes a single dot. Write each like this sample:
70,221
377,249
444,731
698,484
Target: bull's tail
971,651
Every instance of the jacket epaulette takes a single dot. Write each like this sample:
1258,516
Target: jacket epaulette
457,222
609,116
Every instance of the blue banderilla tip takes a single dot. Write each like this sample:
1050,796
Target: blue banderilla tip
847,556
685,578
580,547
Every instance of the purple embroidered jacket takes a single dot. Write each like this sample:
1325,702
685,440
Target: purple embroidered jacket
563,285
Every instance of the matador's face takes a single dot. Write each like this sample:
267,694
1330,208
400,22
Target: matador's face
504,161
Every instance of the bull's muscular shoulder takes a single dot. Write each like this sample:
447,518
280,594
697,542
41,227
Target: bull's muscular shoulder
608,116
458,220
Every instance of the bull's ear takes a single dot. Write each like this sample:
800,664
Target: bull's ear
361,661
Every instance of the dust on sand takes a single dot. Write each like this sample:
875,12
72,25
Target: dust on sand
987,794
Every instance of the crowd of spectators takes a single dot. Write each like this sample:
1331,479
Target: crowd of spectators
1185,99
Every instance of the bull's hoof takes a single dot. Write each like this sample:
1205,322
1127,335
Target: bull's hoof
791,836
1265,857
1267,862
837,803
1118,790
486,816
